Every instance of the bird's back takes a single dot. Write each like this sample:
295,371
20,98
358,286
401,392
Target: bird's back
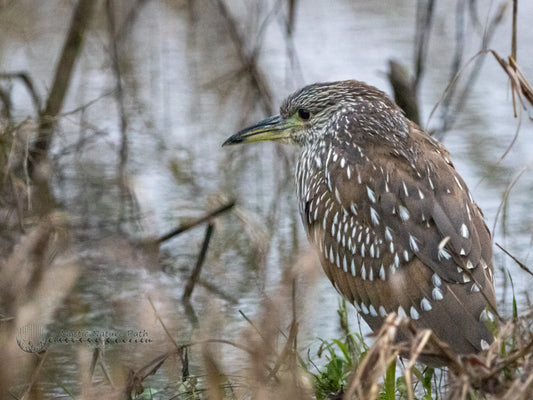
398,231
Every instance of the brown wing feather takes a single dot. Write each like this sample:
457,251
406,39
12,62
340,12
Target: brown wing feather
399,235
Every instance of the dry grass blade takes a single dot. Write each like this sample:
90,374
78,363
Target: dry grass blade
520,87
214,376
417,346
382,353
136,378
516,260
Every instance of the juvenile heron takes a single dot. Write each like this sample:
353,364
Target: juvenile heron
396,227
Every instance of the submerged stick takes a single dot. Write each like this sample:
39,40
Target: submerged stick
63,74
191,283
185,227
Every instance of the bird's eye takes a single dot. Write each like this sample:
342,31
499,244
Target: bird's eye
304,114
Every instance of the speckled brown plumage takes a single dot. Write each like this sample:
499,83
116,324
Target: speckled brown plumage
396,227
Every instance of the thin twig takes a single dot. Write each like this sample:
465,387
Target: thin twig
513,39
520,264
185,227
63,75
28,83
423,31
248,61
189,287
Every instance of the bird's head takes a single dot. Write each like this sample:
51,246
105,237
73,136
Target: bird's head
319,109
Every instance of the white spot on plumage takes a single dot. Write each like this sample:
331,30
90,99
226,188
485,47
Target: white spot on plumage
405,189
466,277
474,288
484,344
374,216
457,181
462,252
464,231
371,194
348,172
391,247
396,260
420,194
431,183
371,250
329,183
382,311
382,275
338,195
401,313
413,243
357,306
406,255
362,249
404,213
486,316
436,293
443,253
363,271
372,311
343,162
469,265
436,280
414,314
370,274
425,304
364,308
388,233
352,266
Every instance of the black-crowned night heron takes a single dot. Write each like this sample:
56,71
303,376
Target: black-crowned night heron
396,227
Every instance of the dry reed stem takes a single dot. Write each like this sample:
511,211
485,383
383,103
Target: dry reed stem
378,358
63,74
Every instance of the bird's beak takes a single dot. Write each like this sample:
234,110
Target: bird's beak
272,128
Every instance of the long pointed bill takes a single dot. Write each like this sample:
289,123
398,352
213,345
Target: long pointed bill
272,128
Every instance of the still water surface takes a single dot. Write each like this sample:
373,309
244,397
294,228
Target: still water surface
183,97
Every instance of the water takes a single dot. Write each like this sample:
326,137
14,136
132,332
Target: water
183,98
